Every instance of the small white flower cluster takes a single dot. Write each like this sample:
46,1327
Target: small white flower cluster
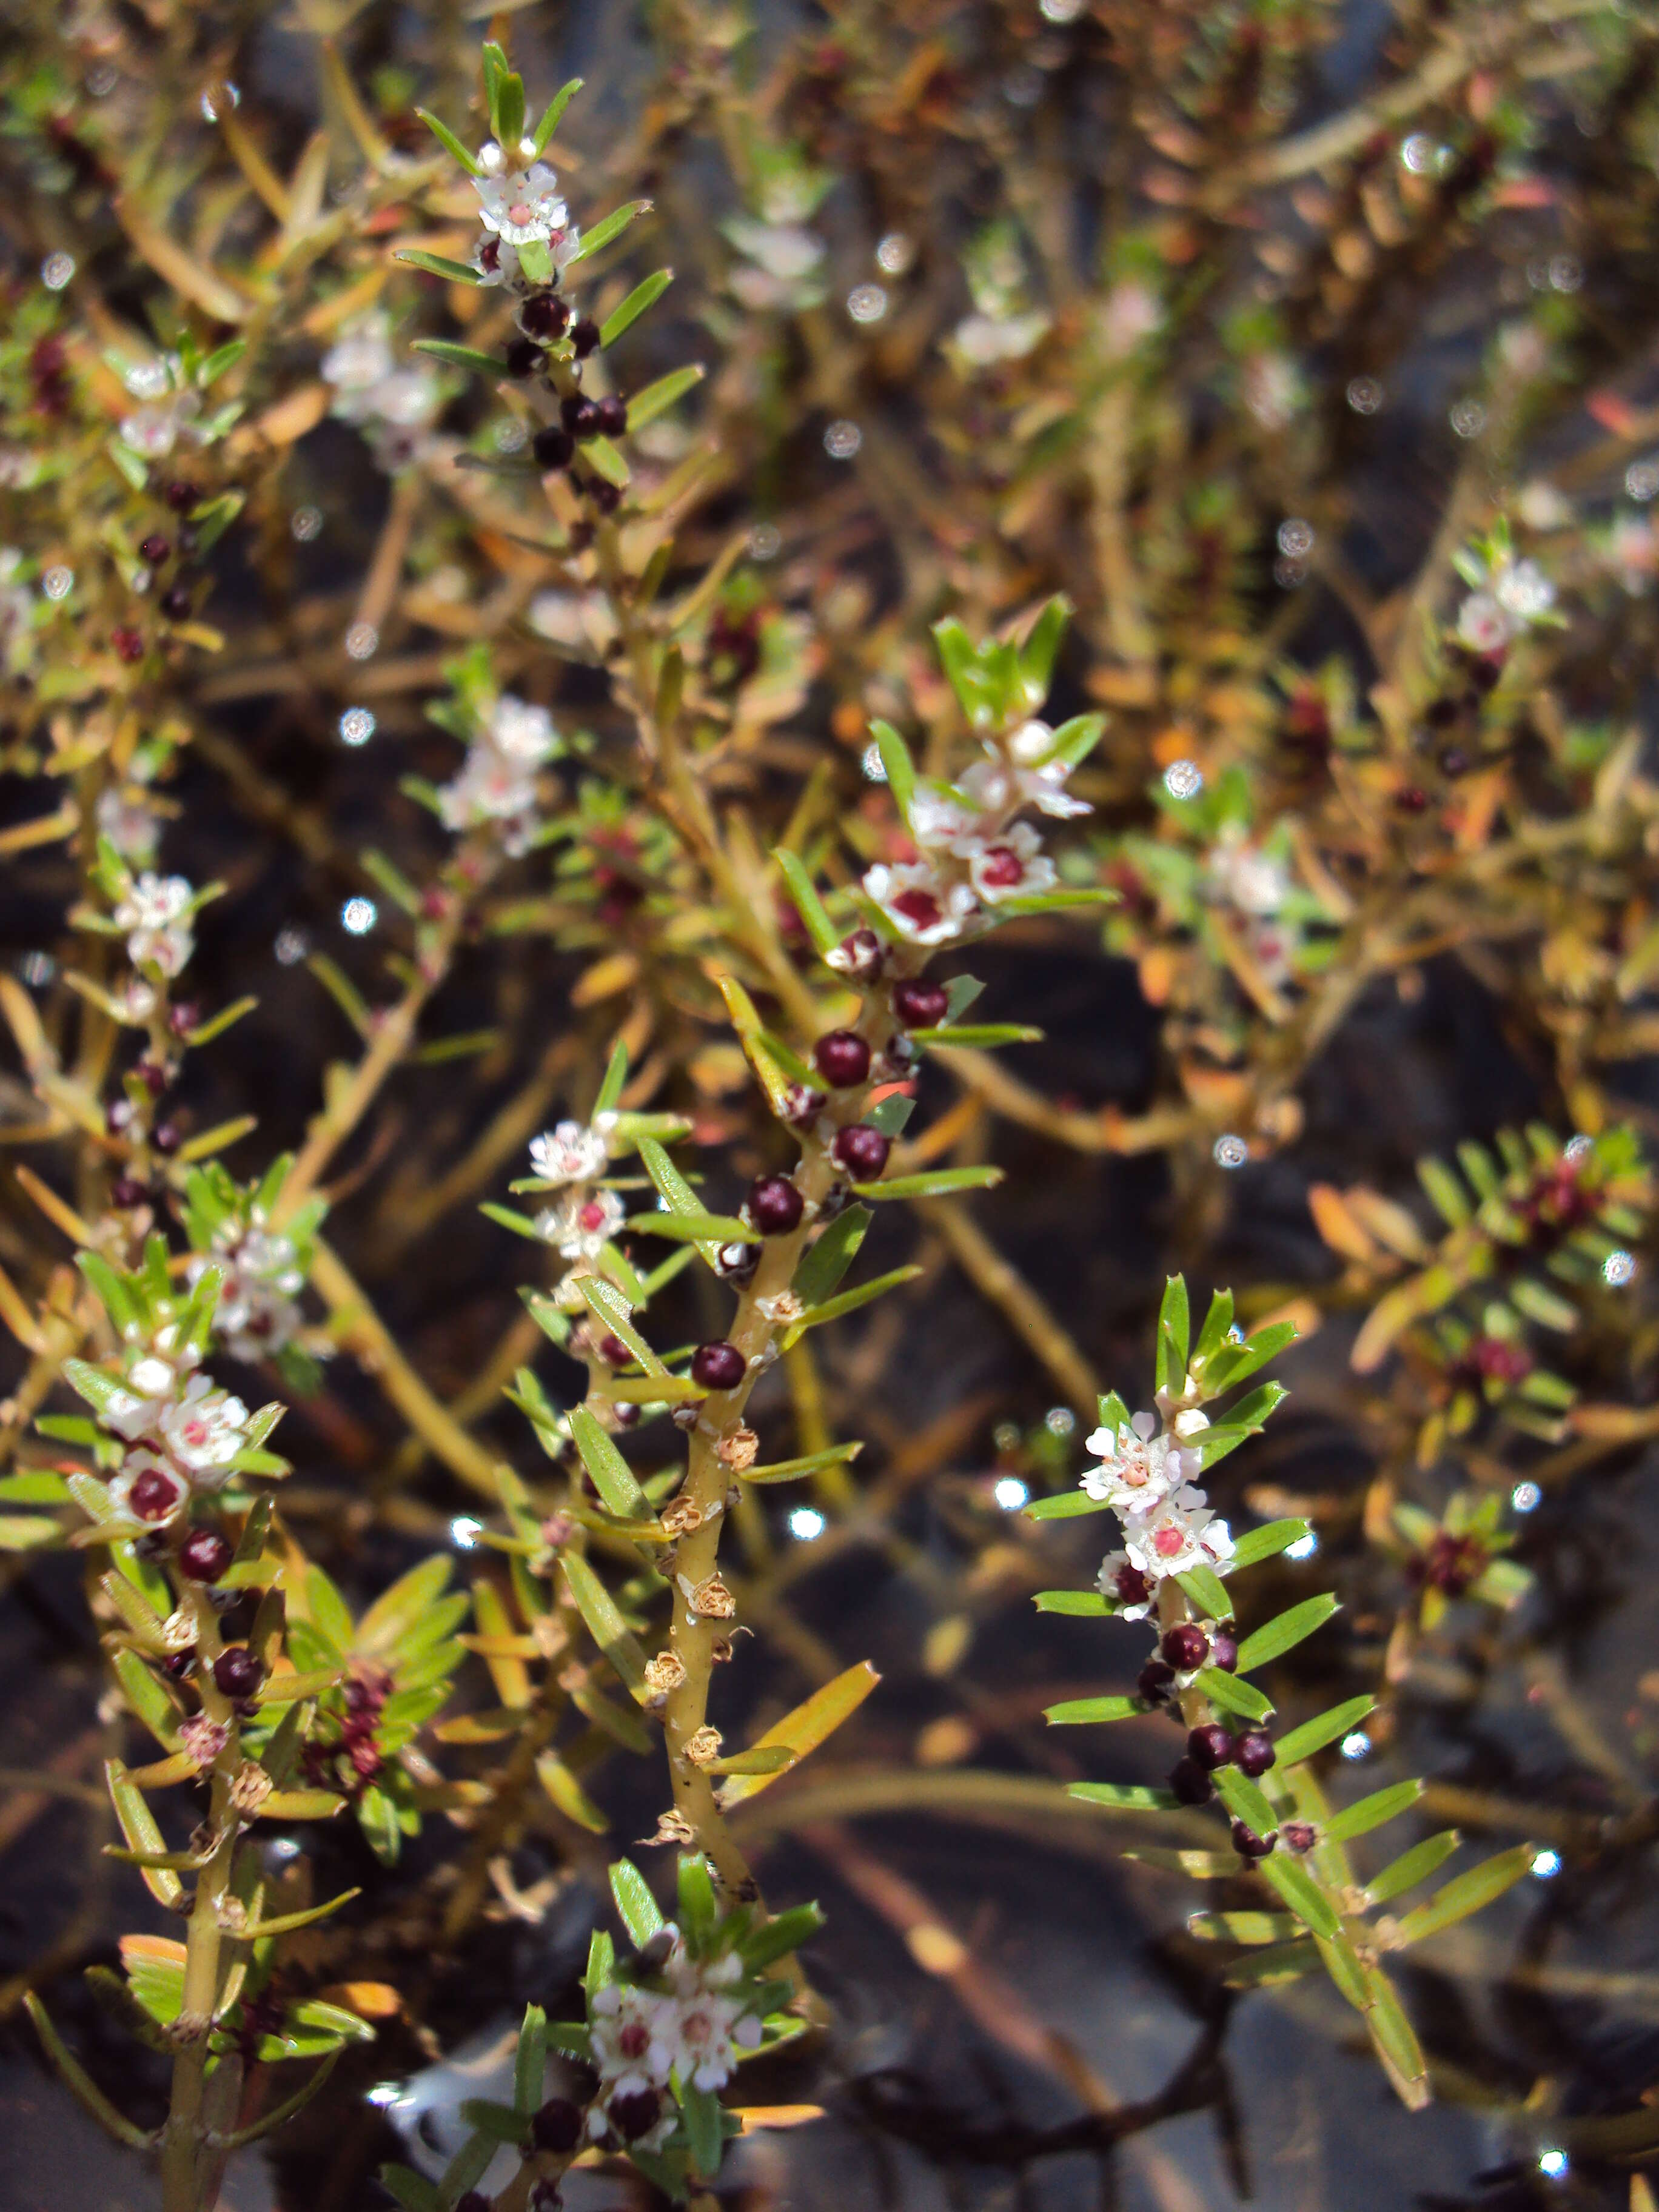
170,411
688,2033
156,913
1514,596
973,853
497,781
1255,885
569,1158
1144,1476
131,827
519,206
391,404
188,1432
256,1314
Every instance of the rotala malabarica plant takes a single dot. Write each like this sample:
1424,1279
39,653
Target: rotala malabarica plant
1004,586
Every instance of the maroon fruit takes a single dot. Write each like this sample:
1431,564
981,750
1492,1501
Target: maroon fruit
920,1006
774,1206
1186,1648
861,1151
237,1672
204,1555
843,1058
1255,1751
1211,1745
718,1366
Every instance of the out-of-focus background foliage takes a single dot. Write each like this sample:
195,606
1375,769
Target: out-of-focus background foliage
1236,322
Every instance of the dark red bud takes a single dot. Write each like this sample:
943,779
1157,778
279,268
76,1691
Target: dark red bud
155,549
1190,1783
1153,1682
237,1672
842,1059
920,1006
552,447
180,495
1186,1648
774,1206
584,335
613,416
861,1151
129,643
718,1366
557,2126
204,1555
543,316
1224,1650
1248,1844
1211,1746
153,1495
1255,1751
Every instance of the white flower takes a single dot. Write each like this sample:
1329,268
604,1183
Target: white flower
205,1428
148,1489
1124,1584
1522,589
579,1227
156,913
129,825
153,432
1012,866
1180,1532
521,732
355,364
983,340
634,2038
1138,1468
709,2026
919,903
940,819
1132,311
1483,624
1246,877
495,260
490,789
521,205
569,1153
256,1314
996,787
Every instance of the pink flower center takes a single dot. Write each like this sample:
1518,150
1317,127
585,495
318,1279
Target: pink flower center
1167,1543
920,908
520,211
591,1216
1001,868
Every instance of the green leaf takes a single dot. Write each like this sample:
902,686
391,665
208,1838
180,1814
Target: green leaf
980,1037
1244,1801
447,138
1467,1893
80,2082
138,1825
1273,1536
144,1692
1287,1629
1173,1335
1445,1191
699,1229
412,2191
605,1622
463,356
1245,1927
1372,1812
553,112
1301,1892
780,1937
935,1182
502,2123
850,1301
1396,2042
807,903
613,1477
1217,1321
827,1261
657,399
901,768
454,272
530,2061
1038,655
1208,1592
635,1904
1325,1727
1075,1711
1232,1695
608,226
328,1613
607,461
465,2170
791,1470
1123,1796
628,312
1084,1604
1066,1506
673,1189
701,2112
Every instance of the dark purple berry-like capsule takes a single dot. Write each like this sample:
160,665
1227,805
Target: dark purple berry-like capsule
552,447
606,496
179,1666
918,1005
1224,1650
176,604
719,1366
861,1151
557,2126
1255,1751
843,1058
860,955
1154,1680
124,1192
774,1206
167,1138
1190,1783
580,415
634,2114
237,1672
180,495
1300,1835
1186,1648
1248,1844
613,416
1212,1744
543,316
154,1494
204,1555
155,549
584,335
524,357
